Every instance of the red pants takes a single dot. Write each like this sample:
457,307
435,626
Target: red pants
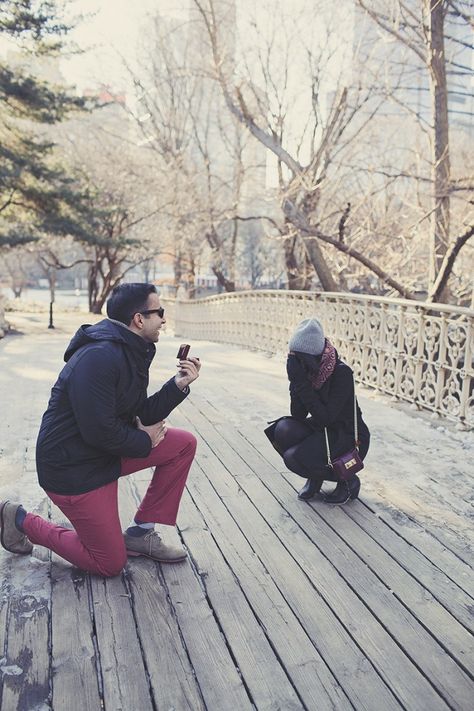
96,544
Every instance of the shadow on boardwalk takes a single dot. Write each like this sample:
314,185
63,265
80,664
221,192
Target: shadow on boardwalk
281,604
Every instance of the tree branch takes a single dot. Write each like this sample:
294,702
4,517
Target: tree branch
448,263
273,222
8,201
240,110
56,264
391,30
341,247
467,18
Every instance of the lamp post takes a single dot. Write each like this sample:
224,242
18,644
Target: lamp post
52,285
51,324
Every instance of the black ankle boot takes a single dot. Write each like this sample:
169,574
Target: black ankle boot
310,489
344,491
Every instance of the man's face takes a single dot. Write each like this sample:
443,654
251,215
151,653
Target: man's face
151,322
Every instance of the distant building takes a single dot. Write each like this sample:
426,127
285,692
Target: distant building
407,75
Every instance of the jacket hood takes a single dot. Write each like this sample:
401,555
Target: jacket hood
108,330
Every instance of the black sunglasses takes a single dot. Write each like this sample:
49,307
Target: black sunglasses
160,312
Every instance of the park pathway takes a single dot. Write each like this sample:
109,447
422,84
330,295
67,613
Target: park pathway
282,604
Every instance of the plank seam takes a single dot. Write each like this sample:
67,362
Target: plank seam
383,626
254,613
386,523
158,567
323,601
457,661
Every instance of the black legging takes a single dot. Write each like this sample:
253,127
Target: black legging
289,434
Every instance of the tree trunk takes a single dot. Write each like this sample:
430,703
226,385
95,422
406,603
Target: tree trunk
178,268
92,285
52,285
319,263
440,143
191,278
296,280
297,216
227,284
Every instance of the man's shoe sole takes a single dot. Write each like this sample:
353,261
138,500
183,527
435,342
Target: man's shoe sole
136,554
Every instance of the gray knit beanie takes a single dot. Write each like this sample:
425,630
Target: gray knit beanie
308,337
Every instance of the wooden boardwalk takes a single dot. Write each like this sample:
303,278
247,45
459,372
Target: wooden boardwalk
281,605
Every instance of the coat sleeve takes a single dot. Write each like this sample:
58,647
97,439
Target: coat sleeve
296,375
297,409
92,389
158,406
325,413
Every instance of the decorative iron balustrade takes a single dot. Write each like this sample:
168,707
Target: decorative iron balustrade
418,352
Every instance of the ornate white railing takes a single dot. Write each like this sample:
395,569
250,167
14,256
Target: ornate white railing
413,351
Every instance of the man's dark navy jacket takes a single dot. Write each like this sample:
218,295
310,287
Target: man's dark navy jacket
90,421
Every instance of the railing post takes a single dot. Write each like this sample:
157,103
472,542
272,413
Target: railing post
466,397
401,356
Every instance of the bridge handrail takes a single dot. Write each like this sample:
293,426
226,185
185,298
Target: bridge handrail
414,351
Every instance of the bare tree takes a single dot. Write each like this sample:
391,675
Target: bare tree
184,122
17,264
337,136
428,30
124,231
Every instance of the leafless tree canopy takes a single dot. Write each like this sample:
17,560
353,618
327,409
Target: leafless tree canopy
312,144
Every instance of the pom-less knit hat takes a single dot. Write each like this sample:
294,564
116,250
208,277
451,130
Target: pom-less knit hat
308,337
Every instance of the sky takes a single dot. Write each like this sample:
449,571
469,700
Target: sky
110,28
113,27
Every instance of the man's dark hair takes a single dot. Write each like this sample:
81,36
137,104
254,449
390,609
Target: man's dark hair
127,300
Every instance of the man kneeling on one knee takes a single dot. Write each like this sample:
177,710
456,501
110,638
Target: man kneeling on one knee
101,425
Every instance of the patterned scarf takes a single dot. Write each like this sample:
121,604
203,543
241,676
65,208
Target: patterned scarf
326,367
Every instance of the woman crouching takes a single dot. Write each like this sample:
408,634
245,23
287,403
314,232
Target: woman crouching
321,386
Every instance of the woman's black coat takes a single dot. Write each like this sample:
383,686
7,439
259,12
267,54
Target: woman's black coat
90,421
332,406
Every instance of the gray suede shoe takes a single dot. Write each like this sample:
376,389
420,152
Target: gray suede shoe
11,538
152,546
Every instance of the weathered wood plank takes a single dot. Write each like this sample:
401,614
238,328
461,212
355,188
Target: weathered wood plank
439,526
450,595
353,670
220,683
416,535
172,680
423,540
314,682
265,678
4,606
124,677
215,670
355,560
75,667
396,668
26,668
